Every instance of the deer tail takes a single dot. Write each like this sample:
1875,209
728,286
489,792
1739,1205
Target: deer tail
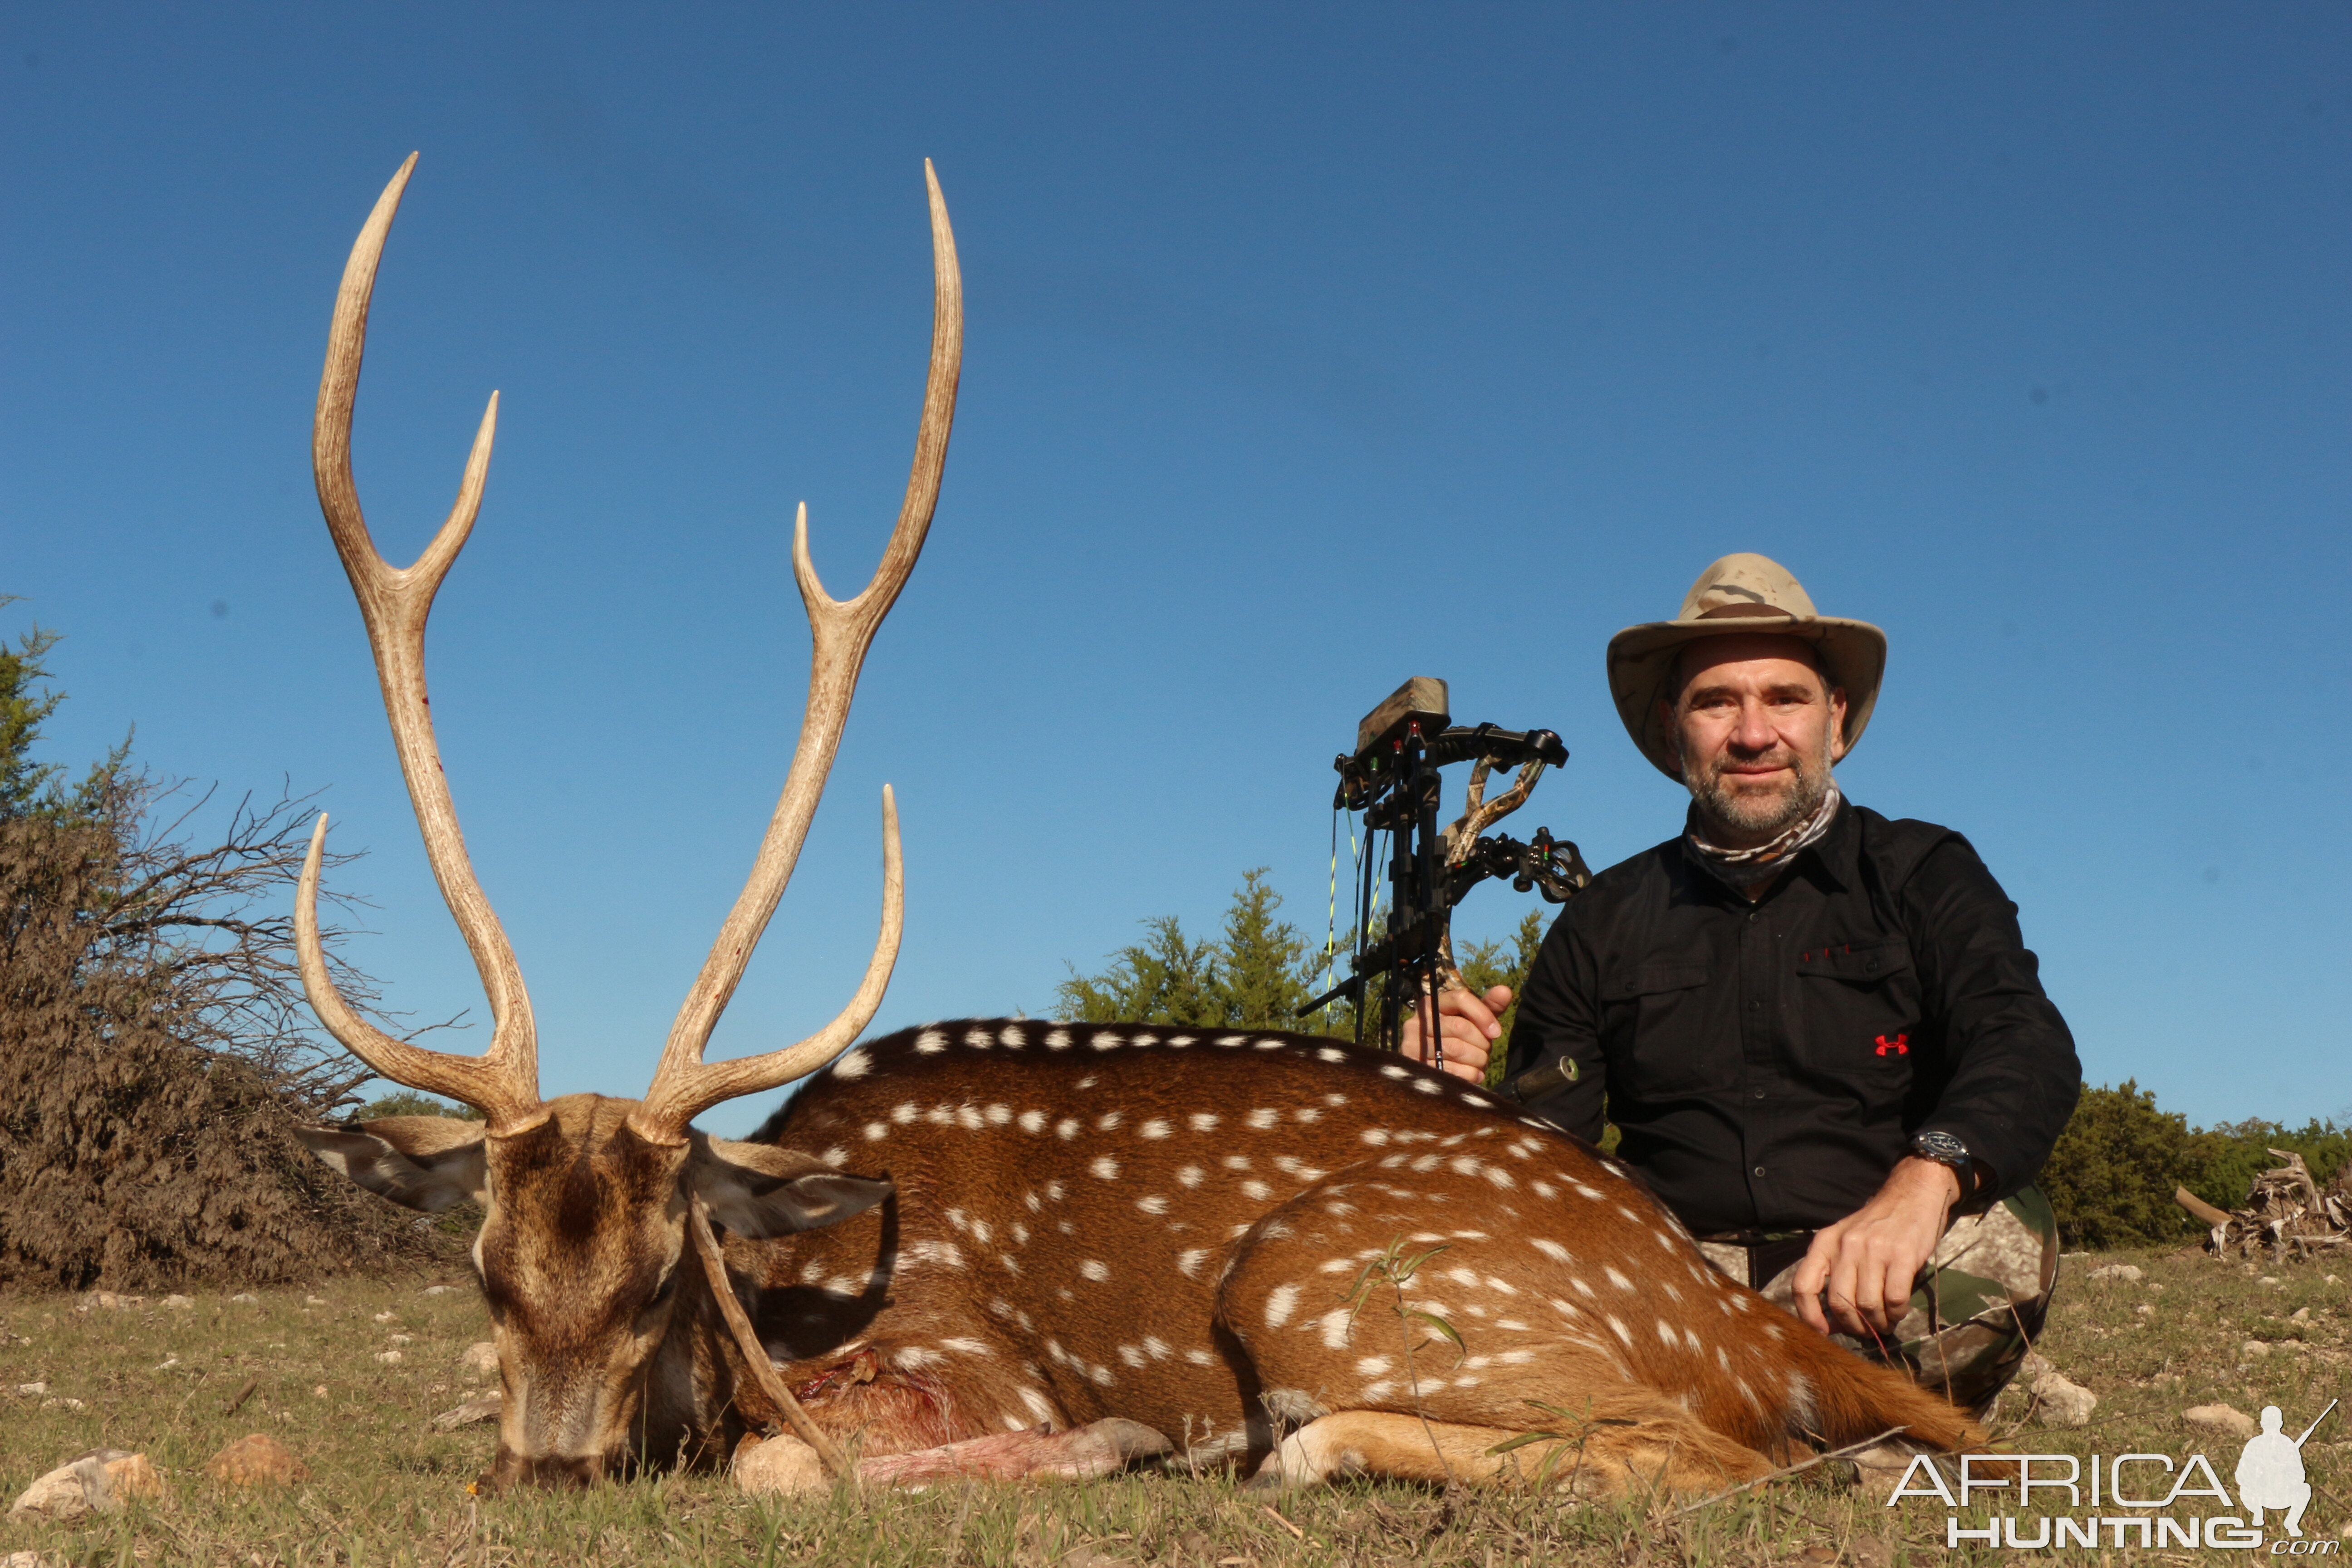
1854,1401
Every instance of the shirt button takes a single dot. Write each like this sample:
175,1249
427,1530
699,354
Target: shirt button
1760,1169
1759,1094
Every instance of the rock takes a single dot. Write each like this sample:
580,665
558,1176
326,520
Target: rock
481,1359
2254,1349
32,1390
439,1290
2145,1310
24,1560
178,1303
2300,1315
486,1408
2062,1401
400,1338
245,1299
385,1316
390,1358
94,1482
2122,1273
778,1465
63,1403
256,1459
320,1391
2220,1420
2267,1279
314,1301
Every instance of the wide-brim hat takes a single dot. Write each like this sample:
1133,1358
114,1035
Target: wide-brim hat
1738,596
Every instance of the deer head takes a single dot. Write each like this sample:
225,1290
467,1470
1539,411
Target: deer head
586,1197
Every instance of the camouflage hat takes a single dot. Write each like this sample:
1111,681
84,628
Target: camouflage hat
1739,593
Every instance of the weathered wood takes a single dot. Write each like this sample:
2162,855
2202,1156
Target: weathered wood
2202,1211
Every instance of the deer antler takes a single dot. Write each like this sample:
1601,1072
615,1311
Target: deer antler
503,1083
684,1085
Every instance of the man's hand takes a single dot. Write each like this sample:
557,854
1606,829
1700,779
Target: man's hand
1867,1261
1467,1026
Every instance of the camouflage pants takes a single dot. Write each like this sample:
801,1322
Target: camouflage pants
1975,1309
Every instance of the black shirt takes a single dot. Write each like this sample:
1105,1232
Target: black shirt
1766,1064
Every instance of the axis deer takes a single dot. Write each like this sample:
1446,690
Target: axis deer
1010,1248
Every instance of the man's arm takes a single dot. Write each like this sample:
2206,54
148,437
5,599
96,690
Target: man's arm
2013,1082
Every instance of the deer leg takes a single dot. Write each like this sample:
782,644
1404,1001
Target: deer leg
1664,1453
1098,1448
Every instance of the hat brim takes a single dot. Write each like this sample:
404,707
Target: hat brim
1642,666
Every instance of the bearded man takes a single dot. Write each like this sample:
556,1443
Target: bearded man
1818,1031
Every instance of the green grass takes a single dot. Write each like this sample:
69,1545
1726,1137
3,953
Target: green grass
386,1489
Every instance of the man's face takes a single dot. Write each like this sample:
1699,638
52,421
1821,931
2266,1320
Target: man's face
1758,729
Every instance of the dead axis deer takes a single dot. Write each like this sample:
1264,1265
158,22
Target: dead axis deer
1014,1248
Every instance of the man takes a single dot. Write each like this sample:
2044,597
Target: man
1819,1031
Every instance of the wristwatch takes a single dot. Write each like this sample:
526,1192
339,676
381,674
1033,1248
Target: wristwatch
1946,1150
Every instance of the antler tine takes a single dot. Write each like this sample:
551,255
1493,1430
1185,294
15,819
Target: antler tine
684,1085
394,604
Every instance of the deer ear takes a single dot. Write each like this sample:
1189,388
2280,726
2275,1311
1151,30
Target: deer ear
424,1162
759,1190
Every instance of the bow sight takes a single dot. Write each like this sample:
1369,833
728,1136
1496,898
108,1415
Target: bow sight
1392,778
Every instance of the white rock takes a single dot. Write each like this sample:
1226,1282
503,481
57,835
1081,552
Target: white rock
400,1338
24,1560
389,1358
2300,1315
481,1359
385,1316
2062,1401
2267,1279
2254,1349
62,1402
2122,1273
32,1390
92,1482
784,1465
439,1290
245,1299
314,1301
2222,1420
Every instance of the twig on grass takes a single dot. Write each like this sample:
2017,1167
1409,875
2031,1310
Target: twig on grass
242,1396
1847,1452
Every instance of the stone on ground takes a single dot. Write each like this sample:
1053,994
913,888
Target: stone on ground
95,1482
486,1408
481,1359
2222,1420
778,1465
256,1459
2122,1273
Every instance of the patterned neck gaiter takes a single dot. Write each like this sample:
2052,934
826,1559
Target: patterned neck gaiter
1743,868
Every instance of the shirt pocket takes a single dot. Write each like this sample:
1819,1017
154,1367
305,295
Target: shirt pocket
1656,1027
1858,1011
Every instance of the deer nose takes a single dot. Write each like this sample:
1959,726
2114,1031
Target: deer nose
550,1472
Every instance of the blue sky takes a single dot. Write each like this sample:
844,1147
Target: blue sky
1310,348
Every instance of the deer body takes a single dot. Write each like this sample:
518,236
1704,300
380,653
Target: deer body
1207,1232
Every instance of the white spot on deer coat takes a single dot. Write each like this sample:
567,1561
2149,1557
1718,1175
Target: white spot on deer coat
1059,1040
1617,1278
1202,1121
1037,1405
1278,1304
1431,1085
1200,1358
1104,1167
1262,1119
1553,1250
853,1063
1067,1127
1375,1136
1154,1128
1107,1042
835,1156
1619,1329
1336,1324
1105,1122
1331,1054
1256,1190
1188,1263
877,1129
1393,1070
931,1042
1190,1175
1152,1204
904,1112
914,1358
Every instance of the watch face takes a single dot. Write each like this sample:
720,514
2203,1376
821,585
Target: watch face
1940,1146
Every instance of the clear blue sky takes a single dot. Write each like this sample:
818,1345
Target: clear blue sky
1310,348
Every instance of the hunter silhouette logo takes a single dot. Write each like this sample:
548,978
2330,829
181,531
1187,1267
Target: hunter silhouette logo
1899,1046
2270,1471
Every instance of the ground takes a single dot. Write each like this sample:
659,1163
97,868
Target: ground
389,1488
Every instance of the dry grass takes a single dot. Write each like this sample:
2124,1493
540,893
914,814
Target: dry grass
389,1489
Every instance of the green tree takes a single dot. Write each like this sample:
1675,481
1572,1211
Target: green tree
1256,974
2111,1176
410,1102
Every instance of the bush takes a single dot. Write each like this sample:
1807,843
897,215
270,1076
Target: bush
2111,1177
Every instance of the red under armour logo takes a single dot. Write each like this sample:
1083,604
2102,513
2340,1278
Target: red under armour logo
1900,1045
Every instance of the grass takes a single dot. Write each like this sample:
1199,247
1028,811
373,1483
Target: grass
387,1489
